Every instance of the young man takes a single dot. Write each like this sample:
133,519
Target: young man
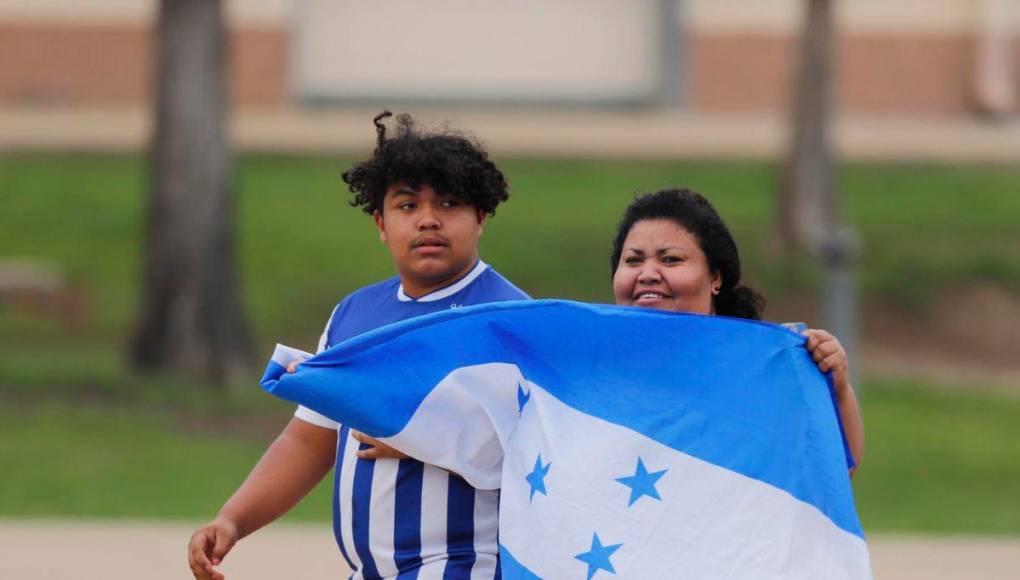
429,195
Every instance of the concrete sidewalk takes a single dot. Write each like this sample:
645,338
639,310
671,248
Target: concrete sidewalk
53,549
556,132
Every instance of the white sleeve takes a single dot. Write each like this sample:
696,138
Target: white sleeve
309,416
304,413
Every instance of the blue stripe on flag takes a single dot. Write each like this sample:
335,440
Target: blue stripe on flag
730,378
407,515
512,569
363,472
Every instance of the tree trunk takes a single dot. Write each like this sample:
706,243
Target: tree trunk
806,208
191,320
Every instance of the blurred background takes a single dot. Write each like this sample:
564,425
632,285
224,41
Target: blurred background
171,207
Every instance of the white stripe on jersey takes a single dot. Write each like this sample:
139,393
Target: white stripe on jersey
309,416
304,413
324,338
449,290
345,488
435,487
486,546
380,530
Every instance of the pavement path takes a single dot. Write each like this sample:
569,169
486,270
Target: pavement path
85,550
555,132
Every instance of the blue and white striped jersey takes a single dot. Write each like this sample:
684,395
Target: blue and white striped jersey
402,518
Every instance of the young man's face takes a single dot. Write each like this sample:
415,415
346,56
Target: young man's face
433,237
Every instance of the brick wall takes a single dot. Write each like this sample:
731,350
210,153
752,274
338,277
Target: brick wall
111,65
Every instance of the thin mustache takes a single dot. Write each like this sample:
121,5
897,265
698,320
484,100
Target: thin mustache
430,238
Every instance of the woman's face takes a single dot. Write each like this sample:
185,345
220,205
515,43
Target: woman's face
662,266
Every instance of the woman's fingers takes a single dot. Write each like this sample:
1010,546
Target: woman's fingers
834,363
816,336
826,350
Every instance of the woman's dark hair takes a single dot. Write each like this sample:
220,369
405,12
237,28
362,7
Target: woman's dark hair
691,211
448,162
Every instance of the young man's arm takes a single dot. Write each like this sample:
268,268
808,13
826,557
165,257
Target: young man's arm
294,463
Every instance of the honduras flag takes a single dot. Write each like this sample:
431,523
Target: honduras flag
627,442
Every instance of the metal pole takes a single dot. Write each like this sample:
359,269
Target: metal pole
840,250
671,54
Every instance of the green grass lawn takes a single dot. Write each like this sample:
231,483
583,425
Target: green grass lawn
935,461
939,461
115,460
301,247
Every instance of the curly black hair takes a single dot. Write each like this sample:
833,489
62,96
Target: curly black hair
447,161
691,211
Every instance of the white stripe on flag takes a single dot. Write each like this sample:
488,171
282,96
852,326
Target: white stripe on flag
461,404
283,355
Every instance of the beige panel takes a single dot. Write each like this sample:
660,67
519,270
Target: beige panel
867,16
499,49
239,12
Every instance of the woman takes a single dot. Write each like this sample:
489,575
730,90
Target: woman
673,252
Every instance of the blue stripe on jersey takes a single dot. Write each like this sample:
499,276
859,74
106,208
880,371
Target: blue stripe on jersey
341,445
363,471
411,574
460,529
407,516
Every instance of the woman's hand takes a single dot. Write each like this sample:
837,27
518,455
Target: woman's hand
829,355
379,450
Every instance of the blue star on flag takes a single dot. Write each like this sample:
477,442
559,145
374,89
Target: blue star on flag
597,558
536,479
522,398
642,483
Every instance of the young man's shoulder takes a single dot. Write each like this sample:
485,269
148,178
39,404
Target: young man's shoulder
367,296
499,287
382,289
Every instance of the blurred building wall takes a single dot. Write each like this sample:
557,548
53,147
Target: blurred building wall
97,53
906,58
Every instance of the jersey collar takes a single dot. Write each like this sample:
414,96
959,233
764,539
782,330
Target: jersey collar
447,291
